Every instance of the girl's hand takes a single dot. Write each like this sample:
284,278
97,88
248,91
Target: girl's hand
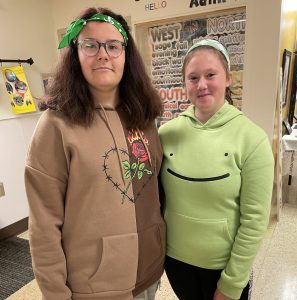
220,296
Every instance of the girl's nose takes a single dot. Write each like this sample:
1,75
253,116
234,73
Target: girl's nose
202,85
102,54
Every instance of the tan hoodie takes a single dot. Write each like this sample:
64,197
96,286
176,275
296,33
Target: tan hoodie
95,226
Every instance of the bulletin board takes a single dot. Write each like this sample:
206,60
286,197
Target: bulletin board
163,45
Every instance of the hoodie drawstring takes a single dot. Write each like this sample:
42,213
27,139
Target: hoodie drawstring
115,142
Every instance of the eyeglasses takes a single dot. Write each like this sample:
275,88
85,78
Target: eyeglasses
91,47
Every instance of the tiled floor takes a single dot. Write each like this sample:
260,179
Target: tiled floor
275,268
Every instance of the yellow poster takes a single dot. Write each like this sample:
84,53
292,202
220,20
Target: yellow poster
18,90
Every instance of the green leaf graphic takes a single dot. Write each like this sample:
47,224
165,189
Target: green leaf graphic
126,165
127,174
139,173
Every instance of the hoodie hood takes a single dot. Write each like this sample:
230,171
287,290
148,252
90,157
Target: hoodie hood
224,115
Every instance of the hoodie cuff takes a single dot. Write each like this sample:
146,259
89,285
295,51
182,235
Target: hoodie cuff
229,290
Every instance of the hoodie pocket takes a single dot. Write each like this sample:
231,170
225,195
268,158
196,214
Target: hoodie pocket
151,251
118,267
204,242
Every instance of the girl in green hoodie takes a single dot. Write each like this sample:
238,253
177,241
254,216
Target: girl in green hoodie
217,176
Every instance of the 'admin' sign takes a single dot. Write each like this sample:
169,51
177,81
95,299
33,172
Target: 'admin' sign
205,2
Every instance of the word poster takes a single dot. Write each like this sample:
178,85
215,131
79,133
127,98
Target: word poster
18,90
169,44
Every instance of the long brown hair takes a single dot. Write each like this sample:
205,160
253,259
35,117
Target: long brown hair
69,92
222,58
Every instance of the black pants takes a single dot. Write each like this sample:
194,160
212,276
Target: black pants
194,283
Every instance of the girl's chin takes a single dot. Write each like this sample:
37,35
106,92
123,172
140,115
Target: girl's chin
205,103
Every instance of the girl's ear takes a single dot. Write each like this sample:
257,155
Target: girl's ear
229,79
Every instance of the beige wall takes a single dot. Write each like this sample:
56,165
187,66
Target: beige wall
26,30
136,9
261,62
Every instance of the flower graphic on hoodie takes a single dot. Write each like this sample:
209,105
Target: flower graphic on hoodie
137,165
139,151
140,154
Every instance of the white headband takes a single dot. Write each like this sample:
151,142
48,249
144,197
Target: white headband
214,44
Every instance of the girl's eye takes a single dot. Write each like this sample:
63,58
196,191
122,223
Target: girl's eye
114,46
90,45
210,75
193,78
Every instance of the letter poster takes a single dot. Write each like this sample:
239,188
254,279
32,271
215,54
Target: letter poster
17,87
169,44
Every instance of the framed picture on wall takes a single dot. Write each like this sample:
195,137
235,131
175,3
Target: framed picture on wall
293,89
286,72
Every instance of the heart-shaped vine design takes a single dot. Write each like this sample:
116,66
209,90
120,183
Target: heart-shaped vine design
130,171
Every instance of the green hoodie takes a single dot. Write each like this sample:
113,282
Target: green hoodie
217,178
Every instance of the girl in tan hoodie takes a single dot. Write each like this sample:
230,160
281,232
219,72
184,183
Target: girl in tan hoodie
95,226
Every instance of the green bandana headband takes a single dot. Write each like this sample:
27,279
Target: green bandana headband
75,28
214,44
